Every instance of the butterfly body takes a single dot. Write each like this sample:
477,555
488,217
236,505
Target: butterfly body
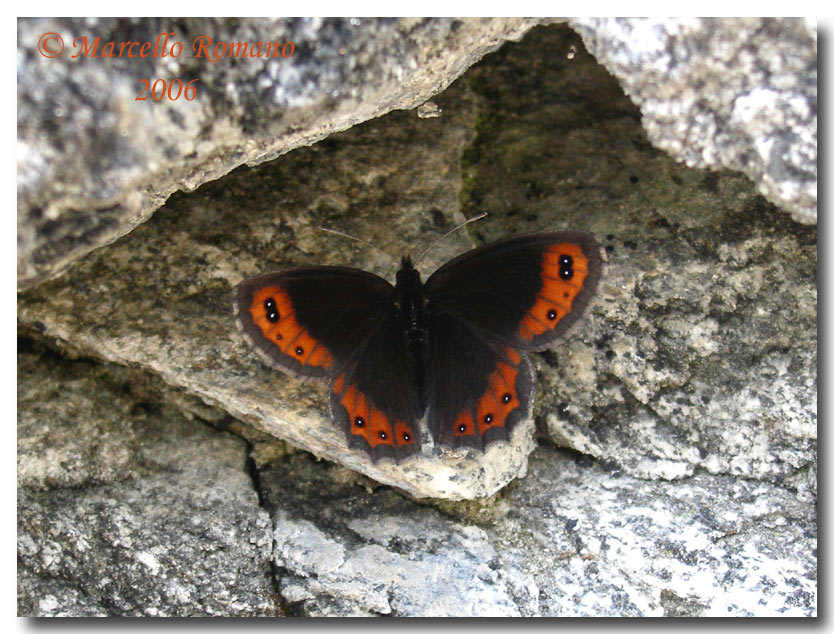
452,348
410,304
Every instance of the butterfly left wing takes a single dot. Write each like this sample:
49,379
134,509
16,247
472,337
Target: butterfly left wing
337,323
310,321
373,398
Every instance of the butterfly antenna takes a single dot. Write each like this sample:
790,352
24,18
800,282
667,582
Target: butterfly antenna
448,233
365,242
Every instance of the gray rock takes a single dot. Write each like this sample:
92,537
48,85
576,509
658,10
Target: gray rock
713,357
388,563
643,384
701,351
93,162
571,539
126,509
607,544
161,297
91,170
723,93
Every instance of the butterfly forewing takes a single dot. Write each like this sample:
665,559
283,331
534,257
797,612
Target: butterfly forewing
311,321
527,290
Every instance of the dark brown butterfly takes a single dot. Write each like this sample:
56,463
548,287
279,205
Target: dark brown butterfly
453,348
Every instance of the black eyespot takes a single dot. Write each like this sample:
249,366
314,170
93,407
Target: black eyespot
271,309
461,429
566,273
406,436
383,435
359,421
299,350
506,398
488,419
565,261
551,314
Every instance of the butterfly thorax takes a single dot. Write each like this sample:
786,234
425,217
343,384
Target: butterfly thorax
409,296
410,304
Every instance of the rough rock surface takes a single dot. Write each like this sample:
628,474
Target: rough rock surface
701,353
93,162
567,540
90,169
126,508
737,94
686,403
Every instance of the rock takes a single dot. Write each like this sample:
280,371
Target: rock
570,539
94,162
737,94
128,509
757,116
714,357
701,350
636,386
181,533
386,557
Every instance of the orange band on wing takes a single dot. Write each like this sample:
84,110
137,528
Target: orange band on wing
464,425
563,272
513,356
369,422
404,434
496,403
500,399
273,313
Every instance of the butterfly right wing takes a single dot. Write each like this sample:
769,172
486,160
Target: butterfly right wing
486,308
528,290
337,323
479,388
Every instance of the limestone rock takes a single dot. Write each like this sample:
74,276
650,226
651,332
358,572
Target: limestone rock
93,162
686,403
571,539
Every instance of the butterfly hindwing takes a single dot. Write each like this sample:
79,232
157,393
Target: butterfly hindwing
373,398
478,388
528,290
310,321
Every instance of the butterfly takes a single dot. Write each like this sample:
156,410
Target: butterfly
453,348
